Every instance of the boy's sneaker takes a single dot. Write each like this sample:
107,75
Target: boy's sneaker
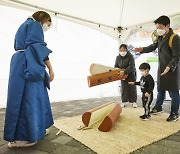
172,118
155,111
149,116
145,117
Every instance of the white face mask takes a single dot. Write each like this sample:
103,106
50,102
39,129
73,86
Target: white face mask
122,53
143,73
161,32
45,27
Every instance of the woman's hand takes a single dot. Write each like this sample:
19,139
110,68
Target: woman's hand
121,73
51,75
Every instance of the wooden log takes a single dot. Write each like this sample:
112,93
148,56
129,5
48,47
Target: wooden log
96,114
98,68
103,78
110,119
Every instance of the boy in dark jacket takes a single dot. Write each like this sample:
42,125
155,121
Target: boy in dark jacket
147,85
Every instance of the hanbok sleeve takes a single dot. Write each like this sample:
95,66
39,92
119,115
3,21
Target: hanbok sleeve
35,52
47,58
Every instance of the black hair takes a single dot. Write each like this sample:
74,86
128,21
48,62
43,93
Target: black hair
145,66
164,20
123,46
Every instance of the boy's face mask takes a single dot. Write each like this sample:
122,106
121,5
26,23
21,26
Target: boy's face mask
143,73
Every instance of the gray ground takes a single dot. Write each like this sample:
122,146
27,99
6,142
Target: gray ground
64,144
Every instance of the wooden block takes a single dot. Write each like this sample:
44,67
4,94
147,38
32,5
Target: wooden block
96,114
110,119
103,78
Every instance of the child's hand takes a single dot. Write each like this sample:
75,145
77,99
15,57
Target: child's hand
147,94
131,83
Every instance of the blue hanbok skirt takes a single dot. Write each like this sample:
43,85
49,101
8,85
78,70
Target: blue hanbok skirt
28,112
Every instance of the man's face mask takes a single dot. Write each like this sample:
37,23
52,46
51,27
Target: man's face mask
161,32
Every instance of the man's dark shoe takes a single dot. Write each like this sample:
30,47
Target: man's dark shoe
145,117
155,111
172,118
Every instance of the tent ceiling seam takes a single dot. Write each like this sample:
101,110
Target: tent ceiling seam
140,25
121,13
60,14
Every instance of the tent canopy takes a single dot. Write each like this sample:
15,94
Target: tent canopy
113,17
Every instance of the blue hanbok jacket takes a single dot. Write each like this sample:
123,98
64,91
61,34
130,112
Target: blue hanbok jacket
28,111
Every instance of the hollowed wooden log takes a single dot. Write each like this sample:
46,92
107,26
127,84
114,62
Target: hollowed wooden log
98,68
96,114
110,119
103,78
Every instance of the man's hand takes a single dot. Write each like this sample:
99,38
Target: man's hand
131,83
165,71
138,49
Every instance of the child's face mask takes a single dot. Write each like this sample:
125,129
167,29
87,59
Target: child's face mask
143,73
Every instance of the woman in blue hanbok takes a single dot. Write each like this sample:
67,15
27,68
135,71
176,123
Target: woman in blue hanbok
28,112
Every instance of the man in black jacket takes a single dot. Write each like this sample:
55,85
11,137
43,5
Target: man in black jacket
168,68
125,60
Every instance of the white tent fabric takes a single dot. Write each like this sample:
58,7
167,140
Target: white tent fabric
108,16
76,47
